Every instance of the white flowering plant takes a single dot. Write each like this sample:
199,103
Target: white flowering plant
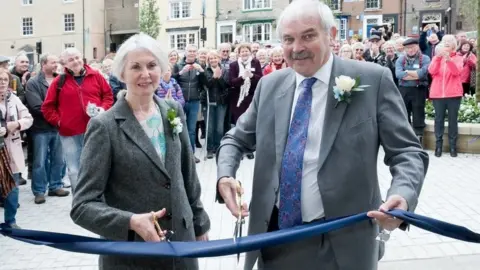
469,111
344,86
175,122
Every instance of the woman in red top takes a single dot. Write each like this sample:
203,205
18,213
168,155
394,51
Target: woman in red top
277,62
446,91
465,50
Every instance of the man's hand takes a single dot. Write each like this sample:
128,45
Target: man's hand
228,188
203,237
386,221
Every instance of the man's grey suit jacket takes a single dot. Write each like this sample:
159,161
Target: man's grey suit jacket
352,135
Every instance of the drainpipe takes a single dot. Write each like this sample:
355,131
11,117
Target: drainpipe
405,17
83,28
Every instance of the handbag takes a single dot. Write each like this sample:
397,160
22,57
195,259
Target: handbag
473,77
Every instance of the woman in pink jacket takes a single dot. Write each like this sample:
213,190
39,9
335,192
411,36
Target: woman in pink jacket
465,50
446,91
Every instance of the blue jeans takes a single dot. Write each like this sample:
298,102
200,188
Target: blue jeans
47,162
191,113
11,203
72,149
216,121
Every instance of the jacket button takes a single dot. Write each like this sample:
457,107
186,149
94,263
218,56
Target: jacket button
167,185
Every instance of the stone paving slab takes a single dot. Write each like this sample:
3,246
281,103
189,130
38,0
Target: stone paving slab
451,193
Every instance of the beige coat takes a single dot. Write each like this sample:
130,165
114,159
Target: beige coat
16,111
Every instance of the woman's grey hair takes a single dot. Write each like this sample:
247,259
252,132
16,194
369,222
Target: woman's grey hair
450,39
276,50
357,45
302,8
135,42
390,43
346,47
439,48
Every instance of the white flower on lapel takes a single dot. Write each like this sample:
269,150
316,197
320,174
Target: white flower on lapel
344,86
175,122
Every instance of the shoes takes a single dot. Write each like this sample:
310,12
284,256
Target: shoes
22,181
210,155
197,160
15,226
66,182
58,192
250,156
453,152
438,152
39,199
198,144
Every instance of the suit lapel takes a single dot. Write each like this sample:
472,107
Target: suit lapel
170,159
283,110
333,115
132,128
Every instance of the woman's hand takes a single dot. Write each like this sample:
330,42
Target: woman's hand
13,126
144,226
169,94
203,237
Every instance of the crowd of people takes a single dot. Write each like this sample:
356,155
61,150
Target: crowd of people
51,107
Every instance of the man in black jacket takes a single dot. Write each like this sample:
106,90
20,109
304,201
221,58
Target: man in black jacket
47,149
191,77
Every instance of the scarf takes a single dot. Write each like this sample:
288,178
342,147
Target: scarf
245,88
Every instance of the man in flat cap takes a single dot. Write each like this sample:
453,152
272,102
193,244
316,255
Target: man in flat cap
411,70
373,53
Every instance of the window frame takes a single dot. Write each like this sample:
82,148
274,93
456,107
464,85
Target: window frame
65,23
22,27
250,30
267,5
187,39
180,8
30,2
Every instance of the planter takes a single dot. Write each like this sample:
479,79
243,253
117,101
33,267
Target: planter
468,140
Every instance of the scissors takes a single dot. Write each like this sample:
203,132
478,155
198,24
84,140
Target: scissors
240,219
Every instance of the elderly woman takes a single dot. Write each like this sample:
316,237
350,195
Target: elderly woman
465,50
244,75
14,118
137,167
202,56
262,57
346,52
277,61
173,57
399,49
446,91
358,48
389,57
217,84
169,87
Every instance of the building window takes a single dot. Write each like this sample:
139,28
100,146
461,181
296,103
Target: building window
342,28
179,41
27,2
335,5
69,22
256,4
180,9
372,4
27,26
226,33
257,32
69,45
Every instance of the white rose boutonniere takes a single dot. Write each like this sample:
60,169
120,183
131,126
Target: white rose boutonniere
175,122
344,86
93,110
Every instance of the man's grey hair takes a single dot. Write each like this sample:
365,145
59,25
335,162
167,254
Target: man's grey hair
224,45
302,8
20,55
192,46
136,42
44,58
70,51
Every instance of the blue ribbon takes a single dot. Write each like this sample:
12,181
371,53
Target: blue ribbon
82,244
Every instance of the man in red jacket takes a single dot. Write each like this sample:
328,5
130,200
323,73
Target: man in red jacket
72,99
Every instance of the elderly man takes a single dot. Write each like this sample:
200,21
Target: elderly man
225,49
374,53
411,70
191,77
72,99
47,149
302,134
20,69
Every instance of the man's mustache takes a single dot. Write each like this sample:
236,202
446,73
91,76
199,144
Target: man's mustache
301,55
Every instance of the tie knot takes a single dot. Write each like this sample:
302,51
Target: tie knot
308,82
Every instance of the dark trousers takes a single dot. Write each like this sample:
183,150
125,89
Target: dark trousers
467,89
313,253
414,99
442,105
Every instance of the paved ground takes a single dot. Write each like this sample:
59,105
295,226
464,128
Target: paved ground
451,193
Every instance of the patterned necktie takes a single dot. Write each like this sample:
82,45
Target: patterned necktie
290,211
